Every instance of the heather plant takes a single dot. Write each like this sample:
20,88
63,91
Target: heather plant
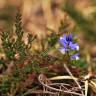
15,51
13,44
21,62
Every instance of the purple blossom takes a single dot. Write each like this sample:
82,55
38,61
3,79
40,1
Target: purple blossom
67,44
65,39
74,56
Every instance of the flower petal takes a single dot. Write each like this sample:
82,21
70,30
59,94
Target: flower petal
69,38
73,46
63,41
74,56
63,50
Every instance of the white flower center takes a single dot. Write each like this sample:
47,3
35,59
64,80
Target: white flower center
62,51
77,48
61,37
77,58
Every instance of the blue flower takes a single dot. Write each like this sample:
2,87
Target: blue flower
65,40
74,56
67,44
